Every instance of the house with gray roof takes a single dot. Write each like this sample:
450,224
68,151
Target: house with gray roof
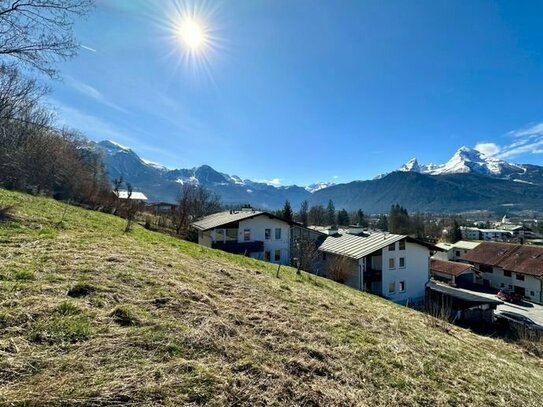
390,265
253,233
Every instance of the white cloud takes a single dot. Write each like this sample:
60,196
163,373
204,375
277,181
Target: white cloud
335,177
92,93
534,129
529,140
274,182
489,149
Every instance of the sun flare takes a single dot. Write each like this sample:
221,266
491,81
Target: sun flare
192,34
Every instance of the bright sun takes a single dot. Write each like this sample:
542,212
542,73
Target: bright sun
192,34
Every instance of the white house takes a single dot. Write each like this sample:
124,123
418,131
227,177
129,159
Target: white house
454,251
390,265
509,266
257,234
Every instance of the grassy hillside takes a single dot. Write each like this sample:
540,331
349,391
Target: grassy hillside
92,316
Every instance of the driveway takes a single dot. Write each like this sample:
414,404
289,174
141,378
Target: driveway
529,309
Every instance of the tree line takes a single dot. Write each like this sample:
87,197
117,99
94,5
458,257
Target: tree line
36,155
397,220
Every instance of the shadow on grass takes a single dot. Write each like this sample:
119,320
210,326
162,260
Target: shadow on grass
7,213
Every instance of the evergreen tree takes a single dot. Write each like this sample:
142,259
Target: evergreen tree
331,213
360,218
343,218
382,223
398,220
287,213
304,209
455,234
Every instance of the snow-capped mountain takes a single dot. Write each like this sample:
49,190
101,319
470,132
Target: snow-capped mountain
162,184
468,160
318,186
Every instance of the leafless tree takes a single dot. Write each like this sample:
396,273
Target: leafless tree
40,32
339,268
193,203
306,253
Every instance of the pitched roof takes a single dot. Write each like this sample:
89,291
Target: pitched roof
449,267
512,257
356,246
226,217
123,194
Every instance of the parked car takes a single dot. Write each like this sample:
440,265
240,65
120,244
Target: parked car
519,319
509,296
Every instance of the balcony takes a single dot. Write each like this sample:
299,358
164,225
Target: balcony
239,248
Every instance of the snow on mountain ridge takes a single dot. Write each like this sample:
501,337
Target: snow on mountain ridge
465,160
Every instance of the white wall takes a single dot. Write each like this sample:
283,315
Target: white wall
257,227
499,281
415,274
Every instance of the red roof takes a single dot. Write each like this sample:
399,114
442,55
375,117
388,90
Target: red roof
449,267
511,257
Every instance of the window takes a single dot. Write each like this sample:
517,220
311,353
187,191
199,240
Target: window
232,235
391,263
278,255
457,253
519,277
277,233
267,255
485,268
506,273
219,235
267,234
247,234
510,287
532,293
402,244
502,285
392,247
391,287
402,262
402,286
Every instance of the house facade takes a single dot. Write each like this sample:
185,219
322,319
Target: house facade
473,233
454,251
514,267
256,234
393,266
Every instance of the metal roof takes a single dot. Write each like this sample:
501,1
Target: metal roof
356,247
224,218
463,295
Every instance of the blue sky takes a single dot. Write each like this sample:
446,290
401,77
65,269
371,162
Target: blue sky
300,91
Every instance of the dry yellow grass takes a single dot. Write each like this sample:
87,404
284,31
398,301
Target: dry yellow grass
92,316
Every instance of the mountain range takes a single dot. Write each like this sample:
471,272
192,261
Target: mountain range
469,180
